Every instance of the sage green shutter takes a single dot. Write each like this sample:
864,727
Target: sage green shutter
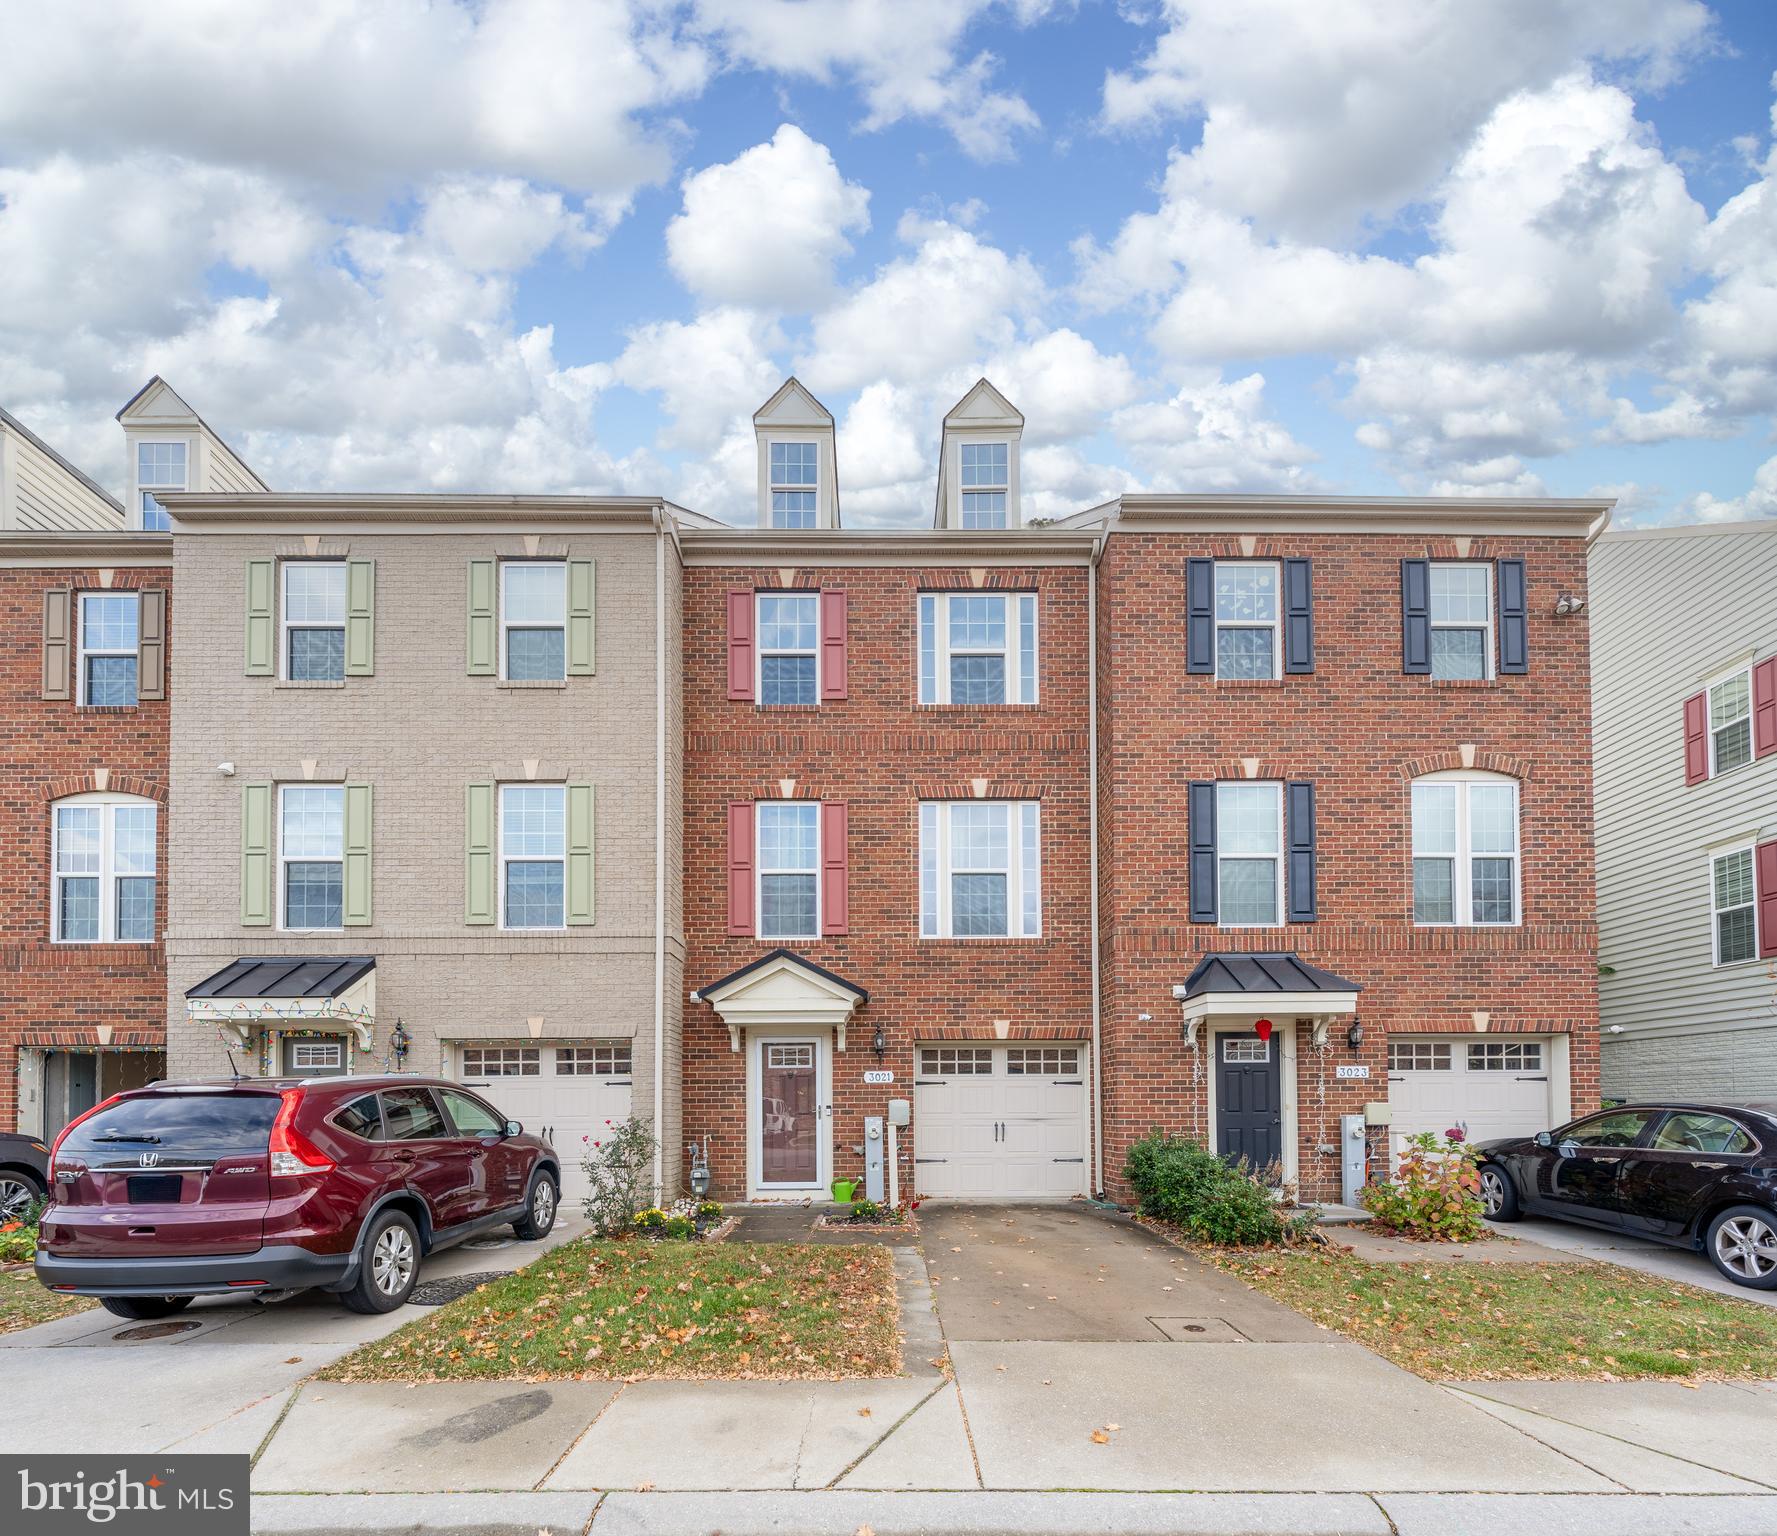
483,645
580,882
357,871
581,625
360,619
478,863
256,815
261,646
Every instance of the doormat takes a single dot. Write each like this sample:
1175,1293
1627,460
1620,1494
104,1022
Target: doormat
434,1293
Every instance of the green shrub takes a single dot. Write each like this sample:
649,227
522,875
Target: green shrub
617,1168
1435,1194
679,1226
1180,1181
18,1239
866,1211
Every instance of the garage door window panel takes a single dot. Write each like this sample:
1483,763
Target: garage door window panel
1419,1056
961,1061
501,1061
592,1061
1042,1061
1506,1056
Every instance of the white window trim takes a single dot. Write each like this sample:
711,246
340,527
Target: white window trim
107,875
529,858
507,625
934,844
760,872
761,651
284,859
964,490
1280,858
937,604
1709,723
1462,858
1715,856
1275,624
151,487
774,486
286,624
83,650
1487,628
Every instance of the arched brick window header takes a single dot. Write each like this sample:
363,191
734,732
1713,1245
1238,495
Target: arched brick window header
115,784
1451,762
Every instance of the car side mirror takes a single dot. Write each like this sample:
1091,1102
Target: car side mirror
1544,1139
513,1128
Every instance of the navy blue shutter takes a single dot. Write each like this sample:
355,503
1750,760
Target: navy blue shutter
1200,617
1203,851
1514,617
1298,616
1299,819
1416,616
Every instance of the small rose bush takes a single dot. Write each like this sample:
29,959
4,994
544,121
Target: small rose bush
619,1169
1435,1194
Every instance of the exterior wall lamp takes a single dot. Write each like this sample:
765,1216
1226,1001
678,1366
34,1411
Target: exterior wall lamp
879,1042
1354,1037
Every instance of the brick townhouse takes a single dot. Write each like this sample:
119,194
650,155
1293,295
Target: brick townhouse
86,668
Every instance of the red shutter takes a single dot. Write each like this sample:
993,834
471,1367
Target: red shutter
1696,738
1764,706
740,867
1764,866
740,645
832,645
835,893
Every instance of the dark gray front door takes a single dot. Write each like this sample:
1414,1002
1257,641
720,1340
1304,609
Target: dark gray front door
1249,1104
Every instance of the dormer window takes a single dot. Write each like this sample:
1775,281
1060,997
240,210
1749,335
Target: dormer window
160,467
985,483
794,483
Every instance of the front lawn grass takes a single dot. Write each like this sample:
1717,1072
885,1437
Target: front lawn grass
1476,1320
637,1309
24,1303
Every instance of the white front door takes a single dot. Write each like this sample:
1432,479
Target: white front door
789,1114
1002,1122
1491,1088
571,1094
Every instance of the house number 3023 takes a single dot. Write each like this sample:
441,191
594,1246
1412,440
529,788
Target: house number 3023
1354,1071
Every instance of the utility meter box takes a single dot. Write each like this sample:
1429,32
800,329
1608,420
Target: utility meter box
900,1112
1351,1158
1379,1112
875,1163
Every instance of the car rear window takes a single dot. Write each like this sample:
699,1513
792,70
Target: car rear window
193,1125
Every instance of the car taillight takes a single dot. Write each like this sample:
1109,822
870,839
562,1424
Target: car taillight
293,1155
62,1135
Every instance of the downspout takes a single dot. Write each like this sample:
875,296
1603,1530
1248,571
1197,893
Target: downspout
1097,1052
660,535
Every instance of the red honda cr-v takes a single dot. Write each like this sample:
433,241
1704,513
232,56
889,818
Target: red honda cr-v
269,1184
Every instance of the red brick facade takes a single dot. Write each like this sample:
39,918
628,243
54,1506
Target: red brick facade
58,996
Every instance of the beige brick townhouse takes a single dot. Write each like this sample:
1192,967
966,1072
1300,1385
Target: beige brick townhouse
421,787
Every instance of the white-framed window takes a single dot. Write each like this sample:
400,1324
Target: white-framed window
311,855
533,620
1734,904
110,625
314,620
1247,1049
1730,722
316,1055
980,870
1505,1056
1042,1061
1465,850
955,1061
1419,1056
501,1061
790,1058
611,1059
1249,638
102,858
1461,619
1249,854
795,484
985,484
789,647
977,648
789,873
160,466
533,855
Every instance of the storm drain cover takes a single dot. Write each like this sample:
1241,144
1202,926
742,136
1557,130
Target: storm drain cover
156,1330
1198,1330
434,1293
483,1244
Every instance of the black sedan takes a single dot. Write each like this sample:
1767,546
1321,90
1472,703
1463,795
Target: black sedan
1697,1176
24,1174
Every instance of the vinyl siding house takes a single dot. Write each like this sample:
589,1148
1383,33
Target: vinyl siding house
1684,704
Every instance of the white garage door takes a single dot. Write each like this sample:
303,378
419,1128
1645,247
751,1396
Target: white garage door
564,1092
1000,1121
1489,1087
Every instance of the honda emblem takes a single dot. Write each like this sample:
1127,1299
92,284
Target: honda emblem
149,1159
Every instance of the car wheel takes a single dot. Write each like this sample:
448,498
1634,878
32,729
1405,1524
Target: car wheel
1742,1244
18,1193
142,1309
1499,1196
539,1209
389,1267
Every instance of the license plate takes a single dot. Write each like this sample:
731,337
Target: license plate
155,1188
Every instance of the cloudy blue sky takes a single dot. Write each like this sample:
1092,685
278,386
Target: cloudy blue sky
1521,246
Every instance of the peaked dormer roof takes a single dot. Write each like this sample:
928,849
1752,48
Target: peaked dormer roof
158,404
983,406
793,406
983,414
